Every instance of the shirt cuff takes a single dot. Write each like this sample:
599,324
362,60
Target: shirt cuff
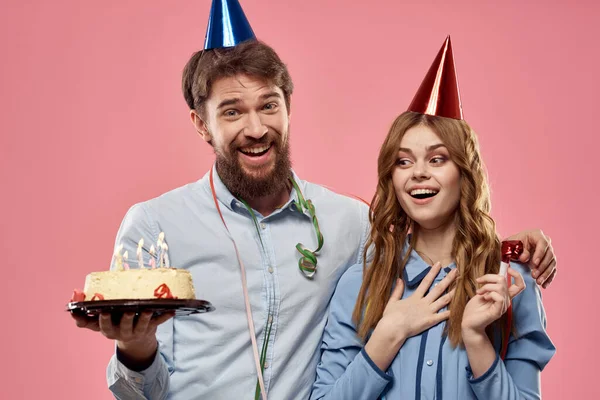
118,371
486,375
384,377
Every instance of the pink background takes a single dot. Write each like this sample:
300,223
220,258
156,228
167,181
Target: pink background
92,120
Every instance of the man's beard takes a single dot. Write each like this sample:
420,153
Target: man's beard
246,186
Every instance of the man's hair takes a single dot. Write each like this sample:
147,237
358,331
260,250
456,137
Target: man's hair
251,57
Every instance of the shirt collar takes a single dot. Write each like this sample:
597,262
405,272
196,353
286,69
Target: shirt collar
416,268
223,194
231,202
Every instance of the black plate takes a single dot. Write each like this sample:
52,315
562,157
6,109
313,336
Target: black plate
117,308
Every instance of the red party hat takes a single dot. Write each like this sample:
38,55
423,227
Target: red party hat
439,94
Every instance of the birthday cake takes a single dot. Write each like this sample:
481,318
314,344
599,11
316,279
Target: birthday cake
157,280
139,283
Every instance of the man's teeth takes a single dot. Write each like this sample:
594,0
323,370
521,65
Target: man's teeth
422,191
255,150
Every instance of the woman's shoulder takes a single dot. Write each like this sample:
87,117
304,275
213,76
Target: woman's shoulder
530,339
531,286
529,302
353,276
349,285
524,270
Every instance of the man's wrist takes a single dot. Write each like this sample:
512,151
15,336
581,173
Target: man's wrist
137,355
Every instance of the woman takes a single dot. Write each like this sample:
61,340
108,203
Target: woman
425,318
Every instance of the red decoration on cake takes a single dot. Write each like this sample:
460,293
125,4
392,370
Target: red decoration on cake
511,249
78,296
163,292
97,296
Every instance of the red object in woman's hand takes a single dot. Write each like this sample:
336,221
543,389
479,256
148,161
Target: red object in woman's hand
511,250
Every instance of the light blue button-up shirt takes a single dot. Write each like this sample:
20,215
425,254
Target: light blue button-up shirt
209,356
427,366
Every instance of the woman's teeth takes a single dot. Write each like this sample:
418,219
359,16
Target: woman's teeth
423,193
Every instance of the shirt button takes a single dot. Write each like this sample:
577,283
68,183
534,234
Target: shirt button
270,319
270,270
138,380
266,365
430,362
262,225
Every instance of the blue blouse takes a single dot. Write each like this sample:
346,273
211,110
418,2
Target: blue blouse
428,366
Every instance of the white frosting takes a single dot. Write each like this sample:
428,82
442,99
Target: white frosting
139,283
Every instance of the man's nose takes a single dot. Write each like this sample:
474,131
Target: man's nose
254,127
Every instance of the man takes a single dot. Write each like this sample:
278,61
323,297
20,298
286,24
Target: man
239,94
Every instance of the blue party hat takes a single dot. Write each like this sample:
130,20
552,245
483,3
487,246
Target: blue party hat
227,25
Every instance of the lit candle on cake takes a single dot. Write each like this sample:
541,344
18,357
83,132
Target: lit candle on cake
140,257
152,253
118,258
165,248
159,248
125,256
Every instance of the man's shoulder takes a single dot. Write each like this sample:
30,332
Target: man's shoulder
179,198
196,191
324,195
